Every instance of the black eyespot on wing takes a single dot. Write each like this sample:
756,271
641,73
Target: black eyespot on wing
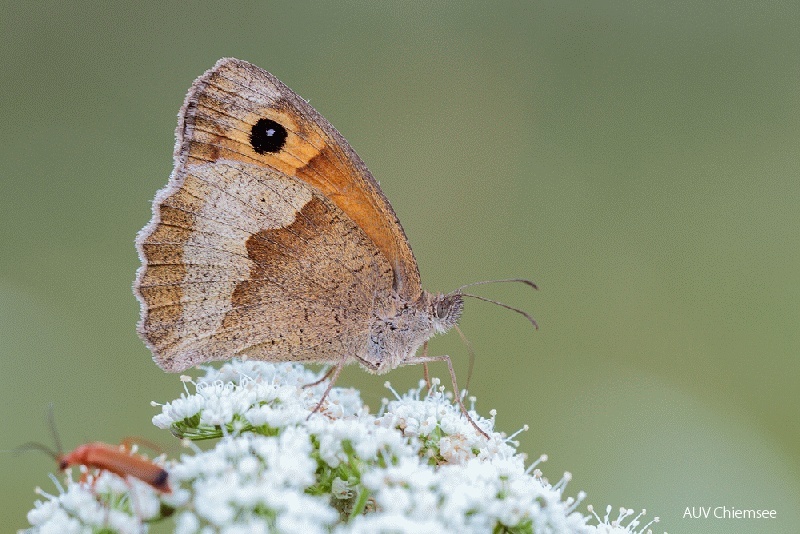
267,136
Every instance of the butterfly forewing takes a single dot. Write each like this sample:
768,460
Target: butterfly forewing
237,111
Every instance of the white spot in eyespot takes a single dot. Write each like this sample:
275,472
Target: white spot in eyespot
270,132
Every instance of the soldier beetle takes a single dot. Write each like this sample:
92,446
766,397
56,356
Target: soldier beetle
119,459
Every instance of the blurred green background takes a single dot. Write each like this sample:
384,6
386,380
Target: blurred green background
639,160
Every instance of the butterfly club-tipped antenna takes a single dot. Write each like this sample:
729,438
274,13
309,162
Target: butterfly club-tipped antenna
524,281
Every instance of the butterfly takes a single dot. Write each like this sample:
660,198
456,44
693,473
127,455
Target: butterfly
272,241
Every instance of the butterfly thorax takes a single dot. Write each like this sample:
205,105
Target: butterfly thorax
400,329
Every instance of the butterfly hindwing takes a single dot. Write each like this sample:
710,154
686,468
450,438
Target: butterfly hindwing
239,262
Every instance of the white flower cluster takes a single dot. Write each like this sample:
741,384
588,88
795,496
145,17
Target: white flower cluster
417,466
104,503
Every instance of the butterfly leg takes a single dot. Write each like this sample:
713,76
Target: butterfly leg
321,380
445,358
335,372
425,366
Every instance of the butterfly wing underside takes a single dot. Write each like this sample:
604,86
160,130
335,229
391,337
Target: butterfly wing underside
240,263
217,120
275,251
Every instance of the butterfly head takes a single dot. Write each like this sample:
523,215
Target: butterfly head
445,310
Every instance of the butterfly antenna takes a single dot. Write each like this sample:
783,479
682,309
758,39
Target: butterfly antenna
525,281
471,355
506,306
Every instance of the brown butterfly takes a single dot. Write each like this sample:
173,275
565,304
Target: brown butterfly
273,241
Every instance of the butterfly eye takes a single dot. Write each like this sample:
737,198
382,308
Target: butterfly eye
441,309
267,136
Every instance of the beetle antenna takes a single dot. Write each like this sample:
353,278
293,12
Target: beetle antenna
51,421
36,446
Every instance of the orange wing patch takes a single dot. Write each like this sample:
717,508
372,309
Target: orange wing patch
217,123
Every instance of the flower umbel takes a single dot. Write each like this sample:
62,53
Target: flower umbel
416,466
